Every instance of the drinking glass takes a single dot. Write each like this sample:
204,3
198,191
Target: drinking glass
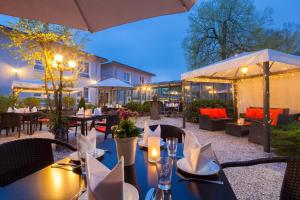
164,172
172,146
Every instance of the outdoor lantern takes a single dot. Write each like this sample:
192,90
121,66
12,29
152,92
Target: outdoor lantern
58,58
72,64
16,70
244,69
153,149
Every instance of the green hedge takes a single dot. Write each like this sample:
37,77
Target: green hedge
192,108
138,107
286,139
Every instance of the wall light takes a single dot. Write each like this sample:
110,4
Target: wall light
244,69
94,81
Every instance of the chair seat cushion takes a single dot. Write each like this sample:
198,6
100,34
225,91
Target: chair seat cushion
101,129
43,120
206,111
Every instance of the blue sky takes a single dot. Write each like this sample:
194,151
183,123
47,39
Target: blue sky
155,44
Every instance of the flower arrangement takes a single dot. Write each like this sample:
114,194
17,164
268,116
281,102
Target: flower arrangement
126,128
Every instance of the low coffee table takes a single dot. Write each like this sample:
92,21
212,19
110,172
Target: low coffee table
235,129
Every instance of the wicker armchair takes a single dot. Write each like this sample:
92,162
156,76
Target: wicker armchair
290,189
20,158
169,131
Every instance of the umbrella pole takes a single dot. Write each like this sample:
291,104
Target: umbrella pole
267,131
183,103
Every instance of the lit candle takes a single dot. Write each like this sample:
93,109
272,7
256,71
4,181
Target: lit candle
153,149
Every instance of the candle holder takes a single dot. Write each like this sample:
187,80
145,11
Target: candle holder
241,121
153,149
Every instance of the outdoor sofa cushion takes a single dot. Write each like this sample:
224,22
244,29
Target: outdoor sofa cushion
258,114
214,113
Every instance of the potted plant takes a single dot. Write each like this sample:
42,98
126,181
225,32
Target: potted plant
125,135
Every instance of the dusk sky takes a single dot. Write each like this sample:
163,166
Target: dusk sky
155,44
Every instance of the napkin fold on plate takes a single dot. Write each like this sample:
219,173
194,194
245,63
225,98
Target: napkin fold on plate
10,109
87,144
97,111
103,183
34,109
80,111
196,155
149,133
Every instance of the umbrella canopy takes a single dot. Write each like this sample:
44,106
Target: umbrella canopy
231,68
111,83
92,15
37,86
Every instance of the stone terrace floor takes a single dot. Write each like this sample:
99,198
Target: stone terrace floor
256,183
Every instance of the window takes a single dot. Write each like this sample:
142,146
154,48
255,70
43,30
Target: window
38,65
86,94
84,69
127,77
142,80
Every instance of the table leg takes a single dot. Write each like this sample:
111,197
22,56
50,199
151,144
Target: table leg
82,127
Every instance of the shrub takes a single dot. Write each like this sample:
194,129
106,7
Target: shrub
4,103
133,106
90,106
192,108
146,106
286,139
81,103
31,102
68,102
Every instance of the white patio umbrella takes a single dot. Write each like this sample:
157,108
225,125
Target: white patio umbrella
92,15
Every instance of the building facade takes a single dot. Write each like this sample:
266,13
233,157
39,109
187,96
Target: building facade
93,68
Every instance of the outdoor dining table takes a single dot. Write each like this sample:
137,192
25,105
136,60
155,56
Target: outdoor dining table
30,117
83,119
54,183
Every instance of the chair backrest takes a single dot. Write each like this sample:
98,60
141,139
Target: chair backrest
9,120
20,158
169,131
112,120
291,182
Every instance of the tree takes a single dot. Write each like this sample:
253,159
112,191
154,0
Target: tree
222,28
34,41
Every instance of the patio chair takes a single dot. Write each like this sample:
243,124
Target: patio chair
10,120
111,120
20,158
291,182
169,131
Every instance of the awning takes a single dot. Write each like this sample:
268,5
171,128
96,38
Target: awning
111,83
231,68
92,15
37,86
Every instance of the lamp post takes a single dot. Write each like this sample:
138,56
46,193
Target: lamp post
60,66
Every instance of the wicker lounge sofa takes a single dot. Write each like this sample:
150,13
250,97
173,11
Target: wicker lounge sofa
213,119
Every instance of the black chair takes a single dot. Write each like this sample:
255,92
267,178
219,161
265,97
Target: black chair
111,120
20,158
290,189
10,121
169,131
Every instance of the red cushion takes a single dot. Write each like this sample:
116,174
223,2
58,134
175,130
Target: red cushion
274,113
259,114
43,120
101,128
250,113
206,111
222,113
215,113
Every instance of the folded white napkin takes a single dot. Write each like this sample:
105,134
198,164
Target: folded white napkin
103,183
149,133
87,144
80,111
97,111
10,109
196,155
34,109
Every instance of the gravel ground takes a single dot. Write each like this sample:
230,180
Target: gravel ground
261,182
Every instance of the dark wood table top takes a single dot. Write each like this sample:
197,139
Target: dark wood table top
52,183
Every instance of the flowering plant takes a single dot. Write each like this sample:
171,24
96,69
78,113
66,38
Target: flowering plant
126,128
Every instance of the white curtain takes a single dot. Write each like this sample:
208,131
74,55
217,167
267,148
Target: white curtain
284,92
